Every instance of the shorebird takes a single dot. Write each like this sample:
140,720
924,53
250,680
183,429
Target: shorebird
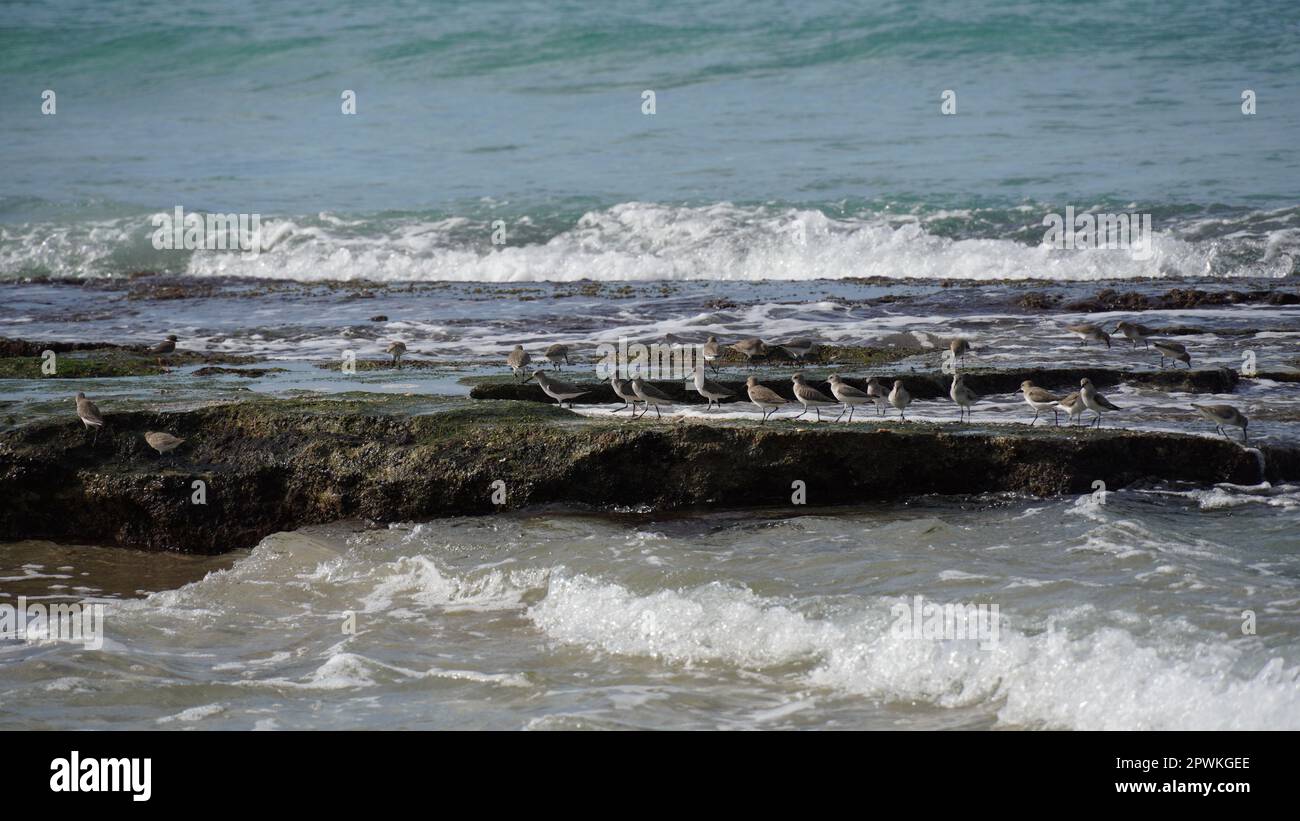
798,348
1088,332
850,396
396,349
711,391
650,395
623,390
165,347
558,353
900,398
879,394
1172,350
711,352
1040,400
164,443
1222,415
561,392
89,414
809,397
1093,401
764,397
518,360
750,348
1134,332
959,347
963,396
1073,405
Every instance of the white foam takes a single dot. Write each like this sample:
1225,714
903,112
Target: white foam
1102,678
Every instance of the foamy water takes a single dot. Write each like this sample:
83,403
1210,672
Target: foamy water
1114,614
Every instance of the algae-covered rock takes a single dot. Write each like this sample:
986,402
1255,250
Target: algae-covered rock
270,465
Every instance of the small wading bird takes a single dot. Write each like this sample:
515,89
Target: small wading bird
798,348
711,352
518,359
650,395
750,348
556,354
561,392
623,390
879,394
1088,332
963,396
1094,401
1222,415
767,400
1134,332
162,442
809,397
397,349
1172,350
848,395
165,347
89,414
1073,405
959,347
900,398
711,391
1040,400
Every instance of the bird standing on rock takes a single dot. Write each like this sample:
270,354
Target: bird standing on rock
1094,401
1172,350
650,395
809,397
518,359
963,396
1040,400
750,348
89,415
162,442
165,347
1222,415
848,395
711,391
900,398
561,392
1134,332
767,400
556,354
1088,332
396,349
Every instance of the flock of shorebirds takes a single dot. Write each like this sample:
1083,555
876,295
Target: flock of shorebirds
636,391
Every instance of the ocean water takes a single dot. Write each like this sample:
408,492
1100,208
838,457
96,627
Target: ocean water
797,178
1117,613
788,143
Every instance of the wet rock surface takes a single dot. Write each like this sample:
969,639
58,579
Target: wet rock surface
270,465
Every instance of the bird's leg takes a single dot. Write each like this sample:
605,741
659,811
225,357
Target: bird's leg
658,415
801,413
818,411
1031,424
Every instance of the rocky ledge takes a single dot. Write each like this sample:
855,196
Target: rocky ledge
269,465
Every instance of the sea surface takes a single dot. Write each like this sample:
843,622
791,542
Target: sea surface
500,184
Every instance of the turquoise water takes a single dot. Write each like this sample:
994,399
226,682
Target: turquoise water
825,116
